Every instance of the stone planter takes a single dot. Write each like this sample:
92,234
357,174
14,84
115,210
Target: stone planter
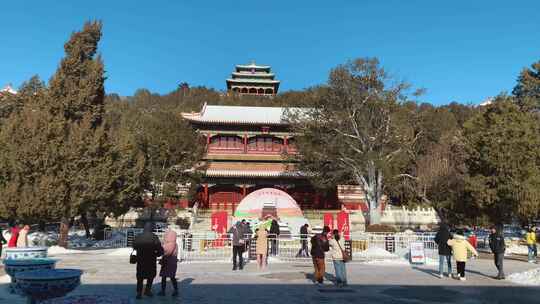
19,253
13,267
39,285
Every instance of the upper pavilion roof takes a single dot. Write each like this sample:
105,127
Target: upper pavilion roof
253,65
256,74
251,76
250,80
239,115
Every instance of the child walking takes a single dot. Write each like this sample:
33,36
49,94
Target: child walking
460,248
169,262
531,245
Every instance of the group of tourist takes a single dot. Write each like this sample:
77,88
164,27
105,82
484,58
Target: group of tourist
335,244
240,233
18,236
450,246
457,247
266,242
321,243
148,248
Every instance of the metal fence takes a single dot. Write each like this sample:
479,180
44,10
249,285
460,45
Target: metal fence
209,247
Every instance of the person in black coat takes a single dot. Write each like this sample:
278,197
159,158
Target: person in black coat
445,251
319,246
273,235
303,252
3,241
498,247
148,249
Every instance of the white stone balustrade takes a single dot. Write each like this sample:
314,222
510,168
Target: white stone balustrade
404,217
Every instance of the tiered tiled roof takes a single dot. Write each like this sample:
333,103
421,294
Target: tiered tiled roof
239,115
253,76
243,169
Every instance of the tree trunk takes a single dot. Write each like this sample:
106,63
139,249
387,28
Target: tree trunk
64,230
152,213
371,184
442,213
375,215
84,222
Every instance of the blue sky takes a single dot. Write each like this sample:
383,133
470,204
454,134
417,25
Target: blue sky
458,50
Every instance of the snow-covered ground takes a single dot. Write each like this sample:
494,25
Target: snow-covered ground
374,253
379,256
76,239
530,277
120,252
57,250
214,282
516,249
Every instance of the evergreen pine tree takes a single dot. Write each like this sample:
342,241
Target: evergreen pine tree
503,159
527,89
58,159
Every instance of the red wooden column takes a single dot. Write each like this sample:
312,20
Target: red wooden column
208,141
286,143
206,199
245,143
244,190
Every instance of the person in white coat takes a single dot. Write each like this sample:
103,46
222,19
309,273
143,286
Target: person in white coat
337,246
22,240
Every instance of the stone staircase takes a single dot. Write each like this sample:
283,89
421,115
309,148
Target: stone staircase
203,221
315,217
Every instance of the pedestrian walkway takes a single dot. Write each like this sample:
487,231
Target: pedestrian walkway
291,283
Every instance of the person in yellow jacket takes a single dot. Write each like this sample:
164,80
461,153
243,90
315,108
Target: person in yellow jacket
460,248
531,244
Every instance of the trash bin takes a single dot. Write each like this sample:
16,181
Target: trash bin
390,244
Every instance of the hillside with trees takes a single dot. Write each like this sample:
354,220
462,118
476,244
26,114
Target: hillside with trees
67,148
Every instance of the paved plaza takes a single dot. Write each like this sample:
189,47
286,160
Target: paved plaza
108,274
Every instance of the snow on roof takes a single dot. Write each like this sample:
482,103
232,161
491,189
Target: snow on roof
253,80
252,65
239,114
256,74
252,173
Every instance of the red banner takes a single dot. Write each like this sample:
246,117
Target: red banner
219,225
343,225
328,220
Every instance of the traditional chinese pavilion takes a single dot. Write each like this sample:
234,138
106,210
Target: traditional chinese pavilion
249,148
253,79
246,150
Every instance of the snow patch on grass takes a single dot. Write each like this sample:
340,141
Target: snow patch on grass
57,250
120,252
516,249
530,277
374,253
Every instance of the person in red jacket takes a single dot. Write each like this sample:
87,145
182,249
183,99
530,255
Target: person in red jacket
14,235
